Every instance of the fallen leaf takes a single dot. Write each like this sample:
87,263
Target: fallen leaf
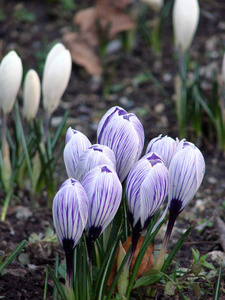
82,54
146,264
221,228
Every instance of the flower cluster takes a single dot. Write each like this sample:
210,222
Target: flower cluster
92,195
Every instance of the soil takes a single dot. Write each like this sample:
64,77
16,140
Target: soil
88,99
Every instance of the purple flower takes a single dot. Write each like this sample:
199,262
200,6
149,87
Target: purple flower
104,192
76,144
70,213
146,188
124,134
186,171
95,155
164,147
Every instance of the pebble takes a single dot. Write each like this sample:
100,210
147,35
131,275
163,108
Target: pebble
23,212
159,108
212,180
167,77
217,256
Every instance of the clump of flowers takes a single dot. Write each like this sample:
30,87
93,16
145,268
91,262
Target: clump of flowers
92,199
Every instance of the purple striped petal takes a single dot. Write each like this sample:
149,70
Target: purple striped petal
124,134
104,192
146,188
186,172
70,213
76,144
94,156
164,147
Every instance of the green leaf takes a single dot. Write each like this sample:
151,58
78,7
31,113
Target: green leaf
175,250
195,254
57,283
196,289
169,288
144,281
217,290
62,270
13,255
196,268
208,265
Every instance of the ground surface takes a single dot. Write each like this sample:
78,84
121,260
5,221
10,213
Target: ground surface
32,39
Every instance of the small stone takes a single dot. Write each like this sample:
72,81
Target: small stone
159,108
167,77
217,256
17,272
23,212
212,180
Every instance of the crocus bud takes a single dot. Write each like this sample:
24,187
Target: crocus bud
124,134
146,188
164,147
104,192
56,76
10,80
186,172
185,22
94,156
31,95
223,70
155,5
70,214
76,144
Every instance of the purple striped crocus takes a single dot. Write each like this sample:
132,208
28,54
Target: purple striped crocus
146,188
186,172
164,147
124,134
76,144
104,191
94,156
70,215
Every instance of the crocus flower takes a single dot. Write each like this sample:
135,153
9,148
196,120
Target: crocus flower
76,144
56,76
31,95
186,172
104,192
70,214
95,155
146,188
11,71
185,22
223,70
164,147
124,134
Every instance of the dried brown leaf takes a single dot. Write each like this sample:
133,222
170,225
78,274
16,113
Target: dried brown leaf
82,53
147,262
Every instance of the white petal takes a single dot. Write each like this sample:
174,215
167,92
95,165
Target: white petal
185,22
10,80
31,95
73,150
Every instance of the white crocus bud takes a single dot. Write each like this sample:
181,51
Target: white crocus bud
223,70
31,95
56,76
11,71
185,22
155,5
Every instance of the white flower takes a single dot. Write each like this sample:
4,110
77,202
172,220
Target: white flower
56,76
11,71
223,69
31,95
185,22
76,144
